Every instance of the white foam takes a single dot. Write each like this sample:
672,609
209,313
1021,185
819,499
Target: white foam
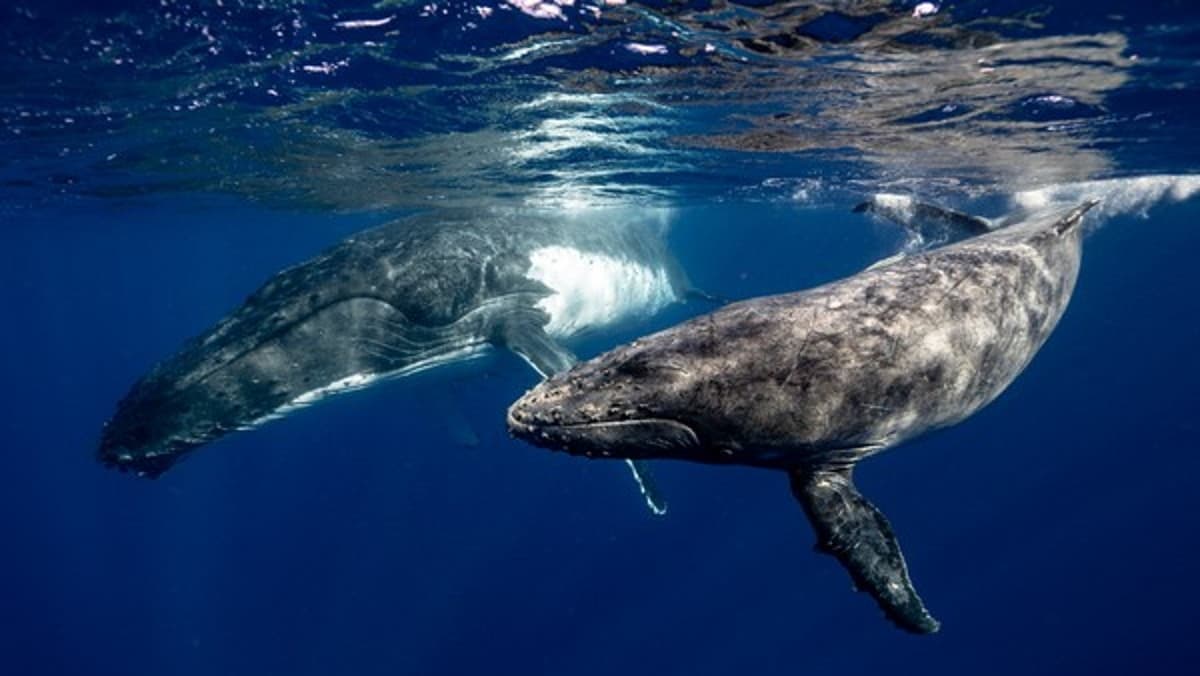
898,207
924,9
889,200
1117,196
365,23
551,9
594,290
643,48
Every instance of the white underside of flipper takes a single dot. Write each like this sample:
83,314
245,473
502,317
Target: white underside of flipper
645,482
358,381
886,261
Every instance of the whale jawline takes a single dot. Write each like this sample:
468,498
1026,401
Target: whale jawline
634,438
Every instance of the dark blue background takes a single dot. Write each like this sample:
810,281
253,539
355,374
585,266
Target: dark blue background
1055,532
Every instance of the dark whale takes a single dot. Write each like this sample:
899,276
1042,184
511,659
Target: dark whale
391,302
813,382
927,226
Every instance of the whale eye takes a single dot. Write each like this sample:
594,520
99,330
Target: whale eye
636,367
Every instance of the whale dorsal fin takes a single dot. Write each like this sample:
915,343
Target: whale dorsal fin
854,531
530,341
928,222
1074,217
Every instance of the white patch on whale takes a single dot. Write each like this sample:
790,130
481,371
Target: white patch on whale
358,381
592,289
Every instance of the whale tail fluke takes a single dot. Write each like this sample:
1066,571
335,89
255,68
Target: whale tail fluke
855,532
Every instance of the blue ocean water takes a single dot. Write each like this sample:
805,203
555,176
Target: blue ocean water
159,163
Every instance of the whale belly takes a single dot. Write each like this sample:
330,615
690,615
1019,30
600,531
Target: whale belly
593,290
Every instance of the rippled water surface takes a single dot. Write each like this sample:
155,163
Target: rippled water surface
397,104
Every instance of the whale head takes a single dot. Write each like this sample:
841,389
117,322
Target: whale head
630,403
206,392
155,426
340,322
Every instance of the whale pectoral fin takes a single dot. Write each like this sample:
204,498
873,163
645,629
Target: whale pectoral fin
850,528
454,421
547,357
537,348
646,484
886,261
702,296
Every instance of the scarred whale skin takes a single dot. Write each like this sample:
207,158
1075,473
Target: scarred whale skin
812,382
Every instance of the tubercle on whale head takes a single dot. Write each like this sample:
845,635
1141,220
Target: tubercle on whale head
133,443
147,465
614,406
178,407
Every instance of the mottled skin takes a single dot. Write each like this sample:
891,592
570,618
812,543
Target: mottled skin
379,303
814,381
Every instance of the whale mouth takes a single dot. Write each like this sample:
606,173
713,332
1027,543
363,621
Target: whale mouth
628,438
148,464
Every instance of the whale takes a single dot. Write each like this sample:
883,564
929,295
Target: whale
393,301
812,382
927,225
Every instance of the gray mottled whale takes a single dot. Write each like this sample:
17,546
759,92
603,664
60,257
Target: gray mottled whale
390,302
813,382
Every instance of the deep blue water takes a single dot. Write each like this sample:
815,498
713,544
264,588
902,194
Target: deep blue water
398,530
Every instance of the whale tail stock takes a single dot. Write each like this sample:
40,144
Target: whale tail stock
858,535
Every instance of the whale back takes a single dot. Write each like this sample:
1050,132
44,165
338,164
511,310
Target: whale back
895,351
